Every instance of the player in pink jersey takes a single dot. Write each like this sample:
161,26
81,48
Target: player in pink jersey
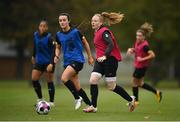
107,58
143,56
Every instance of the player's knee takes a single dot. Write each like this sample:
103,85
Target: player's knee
93,81
34,78
95,77
111,85
141,84
135,84
138,84
64,79
111,82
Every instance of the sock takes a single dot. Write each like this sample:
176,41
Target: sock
69,84
149,88
135,92
119,90
37,88
83,94
51,90
94,94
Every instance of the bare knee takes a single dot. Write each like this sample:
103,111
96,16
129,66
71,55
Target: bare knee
95,77
137,82
111,85
35,75
64,79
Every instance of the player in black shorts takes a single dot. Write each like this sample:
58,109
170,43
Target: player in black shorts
71,41
107,57
43,61
143,56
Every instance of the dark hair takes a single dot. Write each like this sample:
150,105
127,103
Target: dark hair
66,14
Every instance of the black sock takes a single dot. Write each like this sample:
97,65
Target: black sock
83,94
94,94
135,92
69,84
149,88
119,90
51,90
37,88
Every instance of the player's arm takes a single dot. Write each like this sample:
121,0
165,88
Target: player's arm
52,43
107,37
130,51
88,50
33,53
57,50
150,55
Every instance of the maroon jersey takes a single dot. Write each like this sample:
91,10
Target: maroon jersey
101,45
139,52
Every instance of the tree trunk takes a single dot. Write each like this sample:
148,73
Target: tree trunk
20,60
171,73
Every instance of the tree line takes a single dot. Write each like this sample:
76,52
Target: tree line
19,19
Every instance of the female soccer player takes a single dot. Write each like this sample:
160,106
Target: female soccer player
107,58
72,41
43,60
143,56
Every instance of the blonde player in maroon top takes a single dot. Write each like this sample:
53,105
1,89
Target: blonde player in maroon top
107,58
143,56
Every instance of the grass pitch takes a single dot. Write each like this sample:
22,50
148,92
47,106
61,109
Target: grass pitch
17,100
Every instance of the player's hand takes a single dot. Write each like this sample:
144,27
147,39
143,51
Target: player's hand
56,59
33,60
140,59
101,59
91,60
129,51
49,68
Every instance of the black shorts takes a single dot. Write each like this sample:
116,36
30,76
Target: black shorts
107,67
77,66
139,72
42,67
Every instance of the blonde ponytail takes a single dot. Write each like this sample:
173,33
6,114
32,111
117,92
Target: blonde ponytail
112,17
146,29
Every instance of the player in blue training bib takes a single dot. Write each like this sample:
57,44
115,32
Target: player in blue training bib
43,61
71,41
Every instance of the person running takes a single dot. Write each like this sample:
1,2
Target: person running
107,57
43,61
72,41
143,55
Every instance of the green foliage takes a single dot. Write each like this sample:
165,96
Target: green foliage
19,19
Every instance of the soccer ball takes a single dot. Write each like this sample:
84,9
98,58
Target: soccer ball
42,107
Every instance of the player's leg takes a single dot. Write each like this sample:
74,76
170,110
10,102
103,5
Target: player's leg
36,74
111,85
96,75
81,92
94,79
110,67
77,86
135,90
152,89
139,78
68,73
51,87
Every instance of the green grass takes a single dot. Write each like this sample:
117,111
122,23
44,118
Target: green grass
17,100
